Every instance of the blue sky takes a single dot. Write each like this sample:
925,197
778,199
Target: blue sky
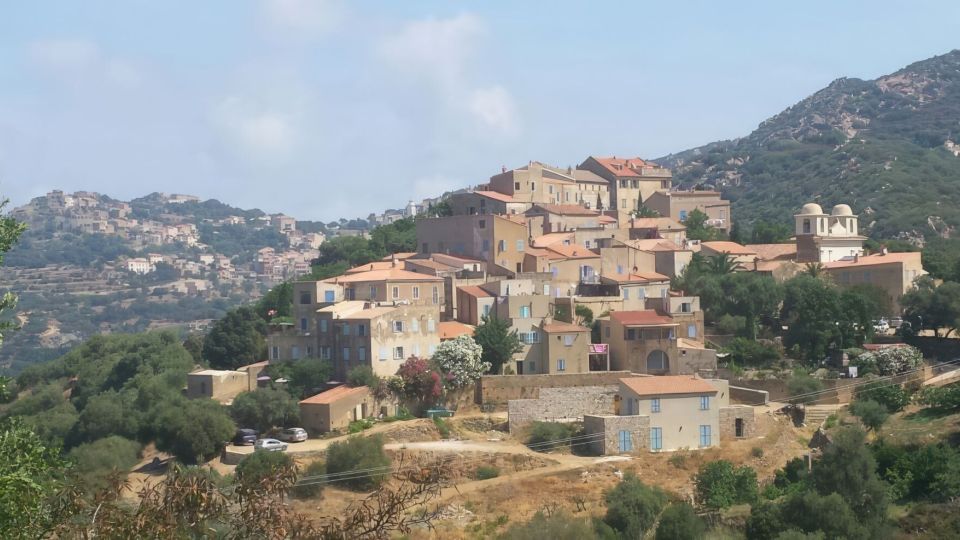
325,109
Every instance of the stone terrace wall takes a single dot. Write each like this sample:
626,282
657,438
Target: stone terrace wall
561,405
494,391
749,396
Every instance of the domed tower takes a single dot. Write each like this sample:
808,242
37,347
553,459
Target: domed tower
827,238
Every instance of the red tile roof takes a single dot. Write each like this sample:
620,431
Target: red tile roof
571,252
636,277
624,166
732,248
496,195
878,259
562,328
646,317
769,252
390,274
668,384
475,291
453,329
335,394
552,238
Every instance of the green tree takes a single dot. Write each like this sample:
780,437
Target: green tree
260,466
892,396
557,526
108,413
829,515
264,408
802,386
10,231
236,340
278,302
746,352
753,296
633,507
697,228
105,455
192,430
848,469
363,376
307,376
872,414
934,307
680,522
721,264
194,345
812,312
767,232
359,454
719,484
498,341
584,315
30,474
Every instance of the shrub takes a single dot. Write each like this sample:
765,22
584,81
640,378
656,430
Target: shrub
731,324
486,472
678,459
756,452
260,465
747,352
550,435
680,522
719,484
360,425
633,507
802,385
872,414
558,526
946,398
264,408
890,361
363,376
359,454
311,485
442,427
106,454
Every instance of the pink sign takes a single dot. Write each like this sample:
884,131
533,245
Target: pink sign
598,348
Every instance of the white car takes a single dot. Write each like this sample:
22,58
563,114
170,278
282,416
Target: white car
294,434
881,326
269,445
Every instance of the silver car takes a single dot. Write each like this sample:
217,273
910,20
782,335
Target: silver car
294,434
269,445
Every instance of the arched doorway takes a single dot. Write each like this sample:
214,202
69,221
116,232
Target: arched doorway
658,362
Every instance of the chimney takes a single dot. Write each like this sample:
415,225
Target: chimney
756,263
856,257
393,260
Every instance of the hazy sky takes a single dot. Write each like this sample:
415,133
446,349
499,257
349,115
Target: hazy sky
327,109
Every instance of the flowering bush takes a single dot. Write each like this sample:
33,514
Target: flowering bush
460,361
418,381
889,361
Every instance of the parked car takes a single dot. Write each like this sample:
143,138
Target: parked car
245,436
294,434
269,445
896,322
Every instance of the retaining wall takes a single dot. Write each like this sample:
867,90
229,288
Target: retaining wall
561,405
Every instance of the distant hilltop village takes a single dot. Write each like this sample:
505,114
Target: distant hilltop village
541,246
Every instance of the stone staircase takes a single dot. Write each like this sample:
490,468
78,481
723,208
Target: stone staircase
817,414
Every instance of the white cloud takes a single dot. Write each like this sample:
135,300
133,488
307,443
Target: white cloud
255,131
494,109
435,49
81,60
305,18
65,55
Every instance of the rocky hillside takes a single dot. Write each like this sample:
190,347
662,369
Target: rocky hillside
889,147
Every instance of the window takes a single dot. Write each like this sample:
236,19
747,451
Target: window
524,312
691,331
303,324
533,186
309,351
532,366
324,353
398,326
431,325
516,186
519,245
656,438
396,293
657,361
362,354
634,184
626,293
561,364
384,353
436,294
433,349
486,310
323,325
486,245
346,329
623,203
704,403
655,405
304,298
482,224
705,436
685,307
606,332
866,276
414,325
398,353
502,245
361,329
275,353
568,341
373,292
328,296
631,334
625,442
683,215
530,337
550,189
346,354
806,226
546,289
416,293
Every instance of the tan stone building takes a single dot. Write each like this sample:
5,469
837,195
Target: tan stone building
684,411
500,241
652,343
632,181
823,238
678,205
742,255
484,202
565,349
895,273
334,409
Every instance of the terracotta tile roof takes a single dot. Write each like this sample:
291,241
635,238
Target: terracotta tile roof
496,195
875,260
571,252
667,385
606,219
369,313
344,308
685,194
769,252
646,317
376,265
732,248
562,328
589,177
552,238
453,329
636,277
335,394
429,263
653,244
400,256
475,291
565,209
624,166
657,223
390,274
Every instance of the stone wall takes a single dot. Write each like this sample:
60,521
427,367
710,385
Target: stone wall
561,405
608,427
494,391
728,422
